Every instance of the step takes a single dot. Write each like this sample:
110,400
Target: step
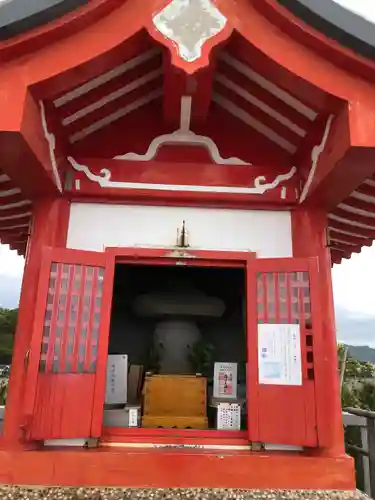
33,492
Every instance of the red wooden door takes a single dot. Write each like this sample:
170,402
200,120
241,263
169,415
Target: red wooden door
68,353
284,335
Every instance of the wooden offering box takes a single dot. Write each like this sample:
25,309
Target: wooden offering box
175,401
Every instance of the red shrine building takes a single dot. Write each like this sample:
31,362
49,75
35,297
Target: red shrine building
180,177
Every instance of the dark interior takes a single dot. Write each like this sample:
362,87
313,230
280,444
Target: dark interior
134,335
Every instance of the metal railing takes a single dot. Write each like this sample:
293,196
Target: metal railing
360,444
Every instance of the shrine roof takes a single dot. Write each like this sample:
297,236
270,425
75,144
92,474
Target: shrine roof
266,102
15,215
351,29
19,16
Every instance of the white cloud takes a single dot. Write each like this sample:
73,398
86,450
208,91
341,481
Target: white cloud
11,264
354,282
11,270
353,286
363,8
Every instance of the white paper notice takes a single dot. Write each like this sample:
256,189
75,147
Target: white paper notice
117,379
279,354
133,417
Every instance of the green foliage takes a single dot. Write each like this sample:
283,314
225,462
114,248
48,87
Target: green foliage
3,392
367,396
356,369
357,390
200,356
349,397
8,320
362,352
153,357
8,323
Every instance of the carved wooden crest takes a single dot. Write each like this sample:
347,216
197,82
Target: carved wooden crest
190,29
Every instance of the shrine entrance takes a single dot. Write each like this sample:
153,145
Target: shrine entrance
79,320
177,347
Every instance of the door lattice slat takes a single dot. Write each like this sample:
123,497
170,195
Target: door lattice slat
72,319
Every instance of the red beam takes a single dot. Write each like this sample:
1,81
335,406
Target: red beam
112,107
205,183
349,240
36,39
24,168
10,200
304,91
360,219
366,190
224,70
283,45
24,151
257,113
313,39
10,224
7,186
14,214
346,248
17,244
174,87
342,164
367,234
201,91
337,256
15,234
12,239
20,248
178,84
122,84
360,204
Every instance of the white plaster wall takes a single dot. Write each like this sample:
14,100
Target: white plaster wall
93,226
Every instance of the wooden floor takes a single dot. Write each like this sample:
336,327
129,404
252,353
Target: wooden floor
174,468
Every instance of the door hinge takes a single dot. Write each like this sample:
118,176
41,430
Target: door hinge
92,443
257,446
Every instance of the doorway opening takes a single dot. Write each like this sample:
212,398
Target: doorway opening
177,348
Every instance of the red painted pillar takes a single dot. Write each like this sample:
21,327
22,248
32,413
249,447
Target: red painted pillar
309,240
50,224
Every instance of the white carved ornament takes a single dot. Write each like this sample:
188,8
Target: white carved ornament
189,24
51,141
183,136
315,154
104,181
